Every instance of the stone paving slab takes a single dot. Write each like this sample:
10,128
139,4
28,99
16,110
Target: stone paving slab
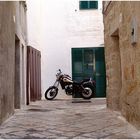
67,119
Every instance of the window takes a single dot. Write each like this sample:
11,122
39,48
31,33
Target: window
83,5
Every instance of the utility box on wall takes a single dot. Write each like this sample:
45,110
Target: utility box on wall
133,31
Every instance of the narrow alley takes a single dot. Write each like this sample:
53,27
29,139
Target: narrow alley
67,118
84,49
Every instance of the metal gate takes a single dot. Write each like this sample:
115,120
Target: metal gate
33,74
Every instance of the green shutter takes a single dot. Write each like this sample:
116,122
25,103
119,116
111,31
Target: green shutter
83,5
100,73
93,4
77,64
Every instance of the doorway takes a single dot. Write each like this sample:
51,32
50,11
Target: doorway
17,74
90,62
116,73
20,96
23,82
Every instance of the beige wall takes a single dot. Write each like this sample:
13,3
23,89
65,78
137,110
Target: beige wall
9,27
122,59
7,58
21,32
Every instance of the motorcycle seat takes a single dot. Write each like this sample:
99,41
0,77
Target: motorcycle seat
76,83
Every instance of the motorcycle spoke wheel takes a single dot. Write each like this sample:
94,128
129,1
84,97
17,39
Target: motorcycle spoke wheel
51,93
88,92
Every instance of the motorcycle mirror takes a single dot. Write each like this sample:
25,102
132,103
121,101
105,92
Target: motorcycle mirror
59,70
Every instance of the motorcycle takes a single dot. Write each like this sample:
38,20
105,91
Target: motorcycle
86,87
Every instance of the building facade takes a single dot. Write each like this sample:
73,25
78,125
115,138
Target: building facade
65,25
122,49
13,41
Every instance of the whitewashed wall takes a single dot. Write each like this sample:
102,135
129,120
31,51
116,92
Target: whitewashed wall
34,16
62,26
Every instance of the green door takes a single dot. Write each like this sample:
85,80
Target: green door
100,75
77,64
84,65
88,63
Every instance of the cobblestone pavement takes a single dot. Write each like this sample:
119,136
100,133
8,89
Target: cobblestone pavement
69,118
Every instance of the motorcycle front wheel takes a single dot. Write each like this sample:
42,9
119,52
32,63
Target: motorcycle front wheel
51,93
89,91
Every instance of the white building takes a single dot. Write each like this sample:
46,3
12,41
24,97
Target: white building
55,27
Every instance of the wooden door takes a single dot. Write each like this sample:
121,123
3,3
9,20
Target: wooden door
33,74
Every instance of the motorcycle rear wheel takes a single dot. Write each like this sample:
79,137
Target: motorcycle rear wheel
51,93
90,91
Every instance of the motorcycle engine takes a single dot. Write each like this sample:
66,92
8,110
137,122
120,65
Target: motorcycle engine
68,89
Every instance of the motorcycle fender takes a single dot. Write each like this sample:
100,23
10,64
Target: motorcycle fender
87,83
54,87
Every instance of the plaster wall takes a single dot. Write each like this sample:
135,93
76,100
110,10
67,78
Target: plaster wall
7,57
20,19
9,29
64,26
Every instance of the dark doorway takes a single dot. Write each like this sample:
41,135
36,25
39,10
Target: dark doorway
17,74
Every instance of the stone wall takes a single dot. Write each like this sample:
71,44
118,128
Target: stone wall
8,30
123,59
